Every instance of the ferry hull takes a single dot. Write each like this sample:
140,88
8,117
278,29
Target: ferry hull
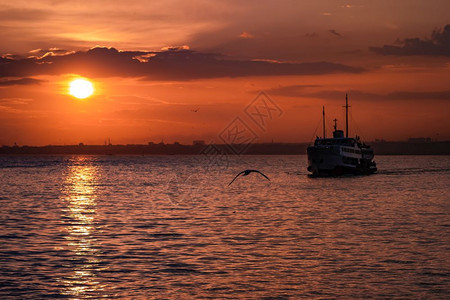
340,170
326,161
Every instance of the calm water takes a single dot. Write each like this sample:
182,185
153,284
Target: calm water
170,227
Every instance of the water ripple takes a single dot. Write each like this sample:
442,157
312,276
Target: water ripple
162,227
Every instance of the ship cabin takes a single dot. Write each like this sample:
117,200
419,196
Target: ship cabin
338,139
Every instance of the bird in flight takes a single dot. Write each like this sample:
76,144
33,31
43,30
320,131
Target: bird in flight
195,110
246,172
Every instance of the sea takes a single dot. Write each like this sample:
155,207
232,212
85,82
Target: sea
171,227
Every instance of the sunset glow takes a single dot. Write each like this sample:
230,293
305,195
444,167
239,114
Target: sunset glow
208,149
186,75
81,88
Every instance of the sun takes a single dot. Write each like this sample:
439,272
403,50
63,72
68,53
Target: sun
81,88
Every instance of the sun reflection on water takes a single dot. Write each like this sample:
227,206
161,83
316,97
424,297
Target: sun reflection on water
79,194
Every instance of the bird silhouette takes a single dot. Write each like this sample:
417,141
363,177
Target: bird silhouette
245,173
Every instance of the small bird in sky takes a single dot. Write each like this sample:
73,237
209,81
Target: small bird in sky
246,172
195,110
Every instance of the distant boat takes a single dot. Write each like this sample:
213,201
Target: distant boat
340,155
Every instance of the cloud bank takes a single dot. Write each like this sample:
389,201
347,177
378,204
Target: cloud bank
297,91
334,32
168,64
437,45
20,81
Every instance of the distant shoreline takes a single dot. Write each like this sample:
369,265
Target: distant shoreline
380,148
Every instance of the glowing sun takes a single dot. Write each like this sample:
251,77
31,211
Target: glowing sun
81,88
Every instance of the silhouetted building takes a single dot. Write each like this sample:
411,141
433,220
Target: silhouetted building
198,143
419,140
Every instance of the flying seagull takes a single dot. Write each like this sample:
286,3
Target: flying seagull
246,172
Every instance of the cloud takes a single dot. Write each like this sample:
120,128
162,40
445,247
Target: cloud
291,90
21,81
311,35
394,96
170,64
441,95
334,32
40,53
4,60
296,91
173,48
246,35
437,45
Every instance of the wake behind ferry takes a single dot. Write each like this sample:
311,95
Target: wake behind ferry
340,155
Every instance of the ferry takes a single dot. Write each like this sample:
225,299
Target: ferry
340,154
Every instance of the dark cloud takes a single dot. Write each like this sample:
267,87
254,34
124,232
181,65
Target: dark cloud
332,31
442,95
437,45
4,60
169,64
20,81
291,90
394,96
352,52
297,91
311,35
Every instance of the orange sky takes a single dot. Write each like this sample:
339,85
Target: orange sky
178,71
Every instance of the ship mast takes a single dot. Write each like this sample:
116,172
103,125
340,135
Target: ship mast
323,120
346,115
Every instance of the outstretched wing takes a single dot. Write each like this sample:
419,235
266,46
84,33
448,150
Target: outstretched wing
261,174
236,177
